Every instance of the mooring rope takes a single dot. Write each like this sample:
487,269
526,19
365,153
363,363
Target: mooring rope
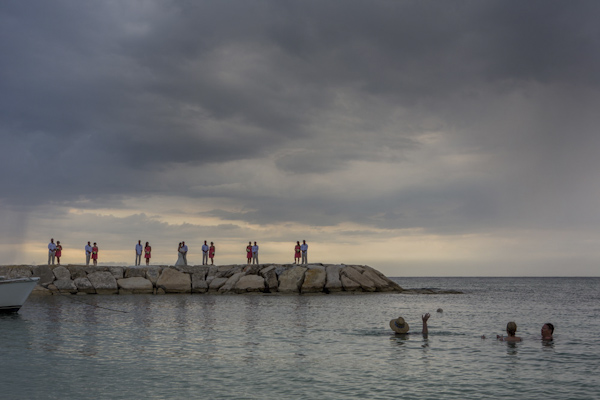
70,297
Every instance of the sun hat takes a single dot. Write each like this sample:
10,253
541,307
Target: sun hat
398,325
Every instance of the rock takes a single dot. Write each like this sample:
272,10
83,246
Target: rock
20,271
117,272
230,283
44,273
211,274
152,274
291,280
77,271
263,272
61,273
65,285
132,272
84,285
216,283
271,282
134,285
383,283
253,269
173,281
228,272
314,279
104,282
349,285
250,283
334,284
353,273
199,284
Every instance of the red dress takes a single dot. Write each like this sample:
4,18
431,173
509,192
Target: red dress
297,249
95,253
147,251
58,251
248,252
211,252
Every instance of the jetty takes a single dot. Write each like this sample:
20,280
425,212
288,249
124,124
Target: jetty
290,279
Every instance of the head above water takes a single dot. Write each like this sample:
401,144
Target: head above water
511,328
547,330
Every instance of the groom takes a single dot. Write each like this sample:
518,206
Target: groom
184,250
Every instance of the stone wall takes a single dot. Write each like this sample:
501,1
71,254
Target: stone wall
239,279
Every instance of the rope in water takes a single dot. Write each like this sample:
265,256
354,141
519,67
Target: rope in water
70,297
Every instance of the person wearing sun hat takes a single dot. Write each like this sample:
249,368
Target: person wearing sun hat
399,325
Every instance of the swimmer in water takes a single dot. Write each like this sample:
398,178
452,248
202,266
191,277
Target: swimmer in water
511,329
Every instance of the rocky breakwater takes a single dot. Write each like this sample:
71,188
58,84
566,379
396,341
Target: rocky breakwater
239,279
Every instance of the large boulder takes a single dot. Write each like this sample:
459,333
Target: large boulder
250,283
230,284
314,279
172,281
65,285
291,280
116,271
44,273
211,274
271,282
349,285
152,274
334,284
132,272
216,283
21,271
77,271
199,284
136,284
104,282
84,285
61,273
227,271
382,283
365,283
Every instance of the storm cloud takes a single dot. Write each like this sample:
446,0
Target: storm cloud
462,120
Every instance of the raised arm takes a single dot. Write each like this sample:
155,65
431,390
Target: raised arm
425,318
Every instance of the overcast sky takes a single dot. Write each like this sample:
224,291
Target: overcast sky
419,137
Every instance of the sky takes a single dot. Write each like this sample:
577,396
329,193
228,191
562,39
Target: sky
422,138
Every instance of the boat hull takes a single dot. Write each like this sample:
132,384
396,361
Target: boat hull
14,293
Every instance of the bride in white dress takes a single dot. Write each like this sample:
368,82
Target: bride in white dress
179,256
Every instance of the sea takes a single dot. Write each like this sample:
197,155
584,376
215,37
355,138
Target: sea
332,346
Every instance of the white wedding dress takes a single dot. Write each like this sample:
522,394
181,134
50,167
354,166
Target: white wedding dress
180,259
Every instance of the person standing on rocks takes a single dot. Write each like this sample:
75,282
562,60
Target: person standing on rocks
204,253
88,253
95,253
58,251
147,253
249,252
297,253
51,251
211,253
255,254
184,250
304,249
138,252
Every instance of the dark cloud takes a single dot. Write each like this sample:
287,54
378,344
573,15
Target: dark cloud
475,112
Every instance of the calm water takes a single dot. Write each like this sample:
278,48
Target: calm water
309,347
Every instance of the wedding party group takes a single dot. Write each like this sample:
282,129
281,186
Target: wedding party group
145,251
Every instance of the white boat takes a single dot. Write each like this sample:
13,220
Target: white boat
14,292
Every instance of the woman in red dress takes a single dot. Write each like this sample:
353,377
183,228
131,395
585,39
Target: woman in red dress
95,254
147,251
211,253
249,252
297,253
58,251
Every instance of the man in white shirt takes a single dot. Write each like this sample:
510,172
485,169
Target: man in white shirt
88,253
51,251
205,253
255,253
138,253
184,250
304,250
